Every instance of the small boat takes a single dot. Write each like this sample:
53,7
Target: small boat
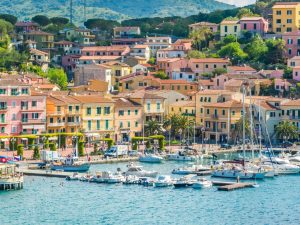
131,180
184,181
287,169
181,155
151,158
101,177
70,164
75,176
202,183
146,181
86,178
115,178
190,169
139,172
163,181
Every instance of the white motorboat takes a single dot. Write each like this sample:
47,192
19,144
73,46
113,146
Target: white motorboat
101,177
287,169
115,178
86,178
151,158
295,158
237,172
202,183
181,155
190,169
74,176
163,181
185,181
131,180
139,172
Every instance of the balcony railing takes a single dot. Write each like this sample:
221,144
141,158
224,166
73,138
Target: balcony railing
61,124
73,123
33,121
214,116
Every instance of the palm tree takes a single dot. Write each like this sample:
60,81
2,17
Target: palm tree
201,37
286,130
152,127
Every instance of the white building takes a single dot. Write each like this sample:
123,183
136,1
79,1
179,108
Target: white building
141,51
184,74
157,43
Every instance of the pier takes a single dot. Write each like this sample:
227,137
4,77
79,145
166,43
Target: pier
235,186
46,173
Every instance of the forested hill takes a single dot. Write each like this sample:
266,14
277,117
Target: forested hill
110,9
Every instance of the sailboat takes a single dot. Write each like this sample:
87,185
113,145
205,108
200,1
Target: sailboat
238,168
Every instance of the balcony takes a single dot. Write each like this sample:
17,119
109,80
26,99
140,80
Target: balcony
33,121
294,117
3,122
3,108
56,124
56,113
215,116
73,123
27,109
70,113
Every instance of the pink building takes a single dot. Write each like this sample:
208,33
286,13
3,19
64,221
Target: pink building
292,43
21,110
296,73
219,81
241,70
256,25
283,84
26,26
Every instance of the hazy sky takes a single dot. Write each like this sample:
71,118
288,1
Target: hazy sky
238,2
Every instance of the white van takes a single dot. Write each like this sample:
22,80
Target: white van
116,151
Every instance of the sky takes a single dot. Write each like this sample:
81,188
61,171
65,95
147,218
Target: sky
238,2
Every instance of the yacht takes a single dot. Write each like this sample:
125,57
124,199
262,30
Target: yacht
202,183
151,158
185,181
163,181
139,172
181,155
237,172
115,178
10,179
131,180
190,169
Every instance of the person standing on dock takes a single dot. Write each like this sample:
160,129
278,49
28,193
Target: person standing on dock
238,179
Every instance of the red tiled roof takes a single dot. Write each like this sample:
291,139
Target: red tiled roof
210,60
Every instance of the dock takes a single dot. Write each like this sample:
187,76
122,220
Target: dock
46,173
235,186
222,183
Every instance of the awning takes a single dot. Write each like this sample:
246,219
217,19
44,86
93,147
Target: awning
52,138
4,139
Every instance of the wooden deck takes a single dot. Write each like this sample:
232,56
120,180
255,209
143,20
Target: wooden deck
46,173
235,186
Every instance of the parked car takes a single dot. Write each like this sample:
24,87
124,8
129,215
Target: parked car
226,146
117,151
133,153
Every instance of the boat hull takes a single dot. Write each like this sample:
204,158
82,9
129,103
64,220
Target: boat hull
236,174
81,168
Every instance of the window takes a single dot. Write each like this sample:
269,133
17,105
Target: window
235,29
173,87
223,112
3,105
121,112
178,87
77,108
207,111
278,12
106,124
14,116
148,106
2,91
35,116
278,29
136,112
225,29
106,110
223,125
288,29
233,113
89,125
201,110
289,12
51,120
272,114
88,111
197,65
24,91
278,21
128,124
289,51
98,110
207,124
290,41
70,108
136,124
2,130
163,87
201,99
14,130
14,91
158,106
206,66
2,118
209,99
254,26
289,21
245,26
34,103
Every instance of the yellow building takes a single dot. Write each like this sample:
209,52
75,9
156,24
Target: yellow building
219,120
128,119
211,96
286,16
97,115
118,70
185,108
228,27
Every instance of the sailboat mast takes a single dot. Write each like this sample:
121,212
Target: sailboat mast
251,125
244,130
259,126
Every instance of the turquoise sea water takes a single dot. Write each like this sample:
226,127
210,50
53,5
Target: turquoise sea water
56,201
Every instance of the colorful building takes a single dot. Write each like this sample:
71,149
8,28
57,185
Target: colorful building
292,43
197,26
255,25
230,27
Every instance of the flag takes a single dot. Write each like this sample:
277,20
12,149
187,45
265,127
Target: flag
3,160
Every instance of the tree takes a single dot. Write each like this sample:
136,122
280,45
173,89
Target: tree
152,61
161,74
201,37
276,51
20,150
152,127
81,148
195,54
288,73
233,51
286,130
256,49
101,24
59,20
9,18
219,71
41,20
245,12
36,152
59,77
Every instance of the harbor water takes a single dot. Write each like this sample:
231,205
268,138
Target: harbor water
56,201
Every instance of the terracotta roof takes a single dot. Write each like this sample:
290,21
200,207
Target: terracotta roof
234,83
112,63
12,82
170,81
98,57
38,52
279,5
206,82
241,68
125,102
213,92
292,103
106,48
45,86
126,28
228,104
209,60
252,18
91,99
140,94
38,32
140,46
230,21
64,42
184,104
243,76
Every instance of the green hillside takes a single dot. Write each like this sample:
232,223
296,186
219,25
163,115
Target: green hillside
110,9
